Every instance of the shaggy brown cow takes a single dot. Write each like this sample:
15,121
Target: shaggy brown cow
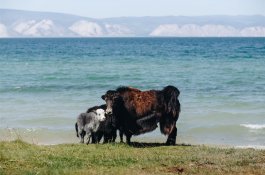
138,111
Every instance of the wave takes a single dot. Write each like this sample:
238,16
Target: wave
252,146
254,126
61,86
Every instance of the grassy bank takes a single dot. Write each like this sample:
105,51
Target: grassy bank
18,157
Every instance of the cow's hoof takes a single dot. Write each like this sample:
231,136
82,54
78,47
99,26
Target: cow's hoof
171,143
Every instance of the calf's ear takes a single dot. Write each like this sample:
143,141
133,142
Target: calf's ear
103,97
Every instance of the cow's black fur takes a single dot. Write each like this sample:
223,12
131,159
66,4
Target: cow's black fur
138,111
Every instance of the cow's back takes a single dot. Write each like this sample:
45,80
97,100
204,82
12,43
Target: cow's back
139,103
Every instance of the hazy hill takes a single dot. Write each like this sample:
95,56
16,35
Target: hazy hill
17,23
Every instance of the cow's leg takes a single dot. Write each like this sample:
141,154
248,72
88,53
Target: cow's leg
107,137
99,136
121,135
128,138
113,135
171,140
94,137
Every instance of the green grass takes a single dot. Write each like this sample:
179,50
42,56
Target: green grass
18,157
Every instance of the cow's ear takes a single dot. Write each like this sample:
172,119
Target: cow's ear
103,97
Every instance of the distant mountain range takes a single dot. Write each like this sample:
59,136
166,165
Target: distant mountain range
18,23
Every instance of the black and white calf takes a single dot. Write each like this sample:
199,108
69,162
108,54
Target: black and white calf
107,128
88,123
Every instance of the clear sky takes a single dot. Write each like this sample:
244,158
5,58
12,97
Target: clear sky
117,8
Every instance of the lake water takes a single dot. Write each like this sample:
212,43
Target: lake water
46,83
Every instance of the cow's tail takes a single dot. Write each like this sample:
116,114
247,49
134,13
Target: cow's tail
171,109
171,102
76,129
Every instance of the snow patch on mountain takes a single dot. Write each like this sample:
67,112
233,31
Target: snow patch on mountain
3,31
118,30
86,28
209,30
34,28
253,31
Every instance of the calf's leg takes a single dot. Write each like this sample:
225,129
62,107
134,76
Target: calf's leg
82,136
88,138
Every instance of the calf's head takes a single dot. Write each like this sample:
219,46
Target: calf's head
110,98
100,114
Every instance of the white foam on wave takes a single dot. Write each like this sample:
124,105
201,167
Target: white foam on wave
252,146
31,129
254,126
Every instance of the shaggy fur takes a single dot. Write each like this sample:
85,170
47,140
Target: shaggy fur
140,111
88,123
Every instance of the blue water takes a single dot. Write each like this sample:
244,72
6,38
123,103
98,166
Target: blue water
46,83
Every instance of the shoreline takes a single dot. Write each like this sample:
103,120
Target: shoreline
48,138
147,142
